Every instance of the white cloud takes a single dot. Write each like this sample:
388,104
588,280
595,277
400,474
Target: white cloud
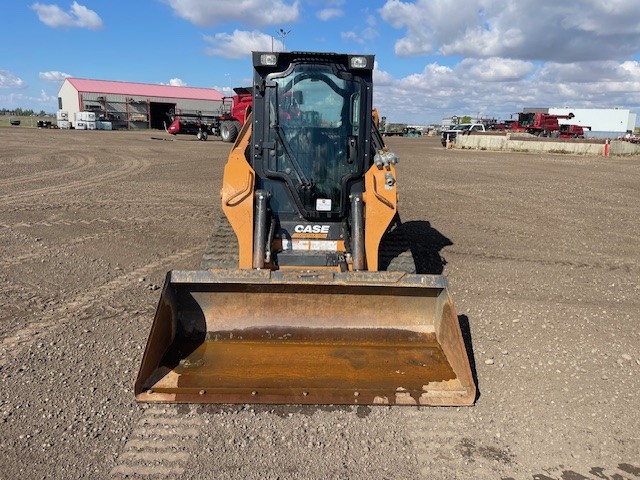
78,16
380,77
44,101
515,54
364,30
361,38
596,80
53,76
86,18
499,87
9,80
329,13
585,72
240,43
175,82
226,91
425,22
351,37
605,18
495,69
630,69
371,21
206,13
370,33
545,30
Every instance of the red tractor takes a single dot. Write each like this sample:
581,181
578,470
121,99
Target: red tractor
230,124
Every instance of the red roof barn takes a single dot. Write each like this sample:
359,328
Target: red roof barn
134,105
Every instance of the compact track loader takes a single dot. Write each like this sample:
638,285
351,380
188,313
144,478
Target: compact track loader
307,291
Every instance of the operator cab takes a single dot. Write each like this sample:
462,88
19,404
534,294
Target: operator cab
313,148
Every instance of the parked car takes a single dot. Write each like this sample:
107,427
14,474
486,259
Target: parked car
14,122
463,129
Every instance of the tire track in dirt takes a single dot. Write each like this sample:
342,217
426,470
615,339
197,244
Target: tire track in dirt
158,445
77,164
442,452
57,318
438,447
80,205
20,259
68,223
105,221
128,168
55,223
626,267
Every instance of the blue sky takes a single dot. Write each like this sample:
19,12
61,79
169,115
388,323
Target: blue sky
434,58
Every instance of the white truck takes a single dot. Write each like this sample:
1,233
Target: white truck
462,129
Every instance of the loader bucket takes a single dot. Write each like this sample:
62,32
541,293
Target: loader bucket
256,336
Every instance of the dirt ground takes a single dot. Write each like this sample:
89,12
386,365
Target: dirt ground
543,260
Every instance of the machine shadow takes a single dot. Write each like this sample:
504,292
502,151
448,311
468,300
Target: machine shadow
465,328
413,247
426,243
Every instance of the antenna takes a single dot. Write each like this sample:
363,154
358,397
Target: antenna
283,34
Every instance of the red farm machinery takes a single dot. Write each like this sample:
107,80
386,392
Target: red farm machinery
539,124
572,131
224,124
546,125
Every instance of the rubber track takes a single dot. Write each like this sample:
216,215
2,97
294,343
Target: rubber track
221,250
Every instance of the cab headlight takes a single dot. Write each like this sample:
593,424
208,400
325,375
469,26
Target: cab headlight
358,62
268,59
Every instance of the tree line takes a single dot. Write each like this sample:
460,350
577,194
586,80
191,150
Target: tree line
19,112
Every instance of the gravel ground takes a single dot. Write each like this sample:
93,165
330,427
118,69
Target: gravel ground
542,257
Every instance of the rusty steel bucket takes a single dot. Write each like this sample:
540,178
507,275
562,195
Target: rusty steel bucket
256,336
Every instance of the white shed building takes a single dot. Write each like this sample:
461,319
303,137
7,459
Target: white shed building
603,121
134,105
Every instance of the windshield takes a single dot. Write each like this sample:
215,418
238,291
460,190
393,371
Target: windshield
315,116
526,119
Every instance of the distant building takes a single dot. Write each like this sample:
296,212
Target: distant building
604,122
449,122
535,110
134,105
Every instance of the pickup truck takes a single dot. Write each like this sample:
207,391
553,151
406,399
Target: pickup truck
463,129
